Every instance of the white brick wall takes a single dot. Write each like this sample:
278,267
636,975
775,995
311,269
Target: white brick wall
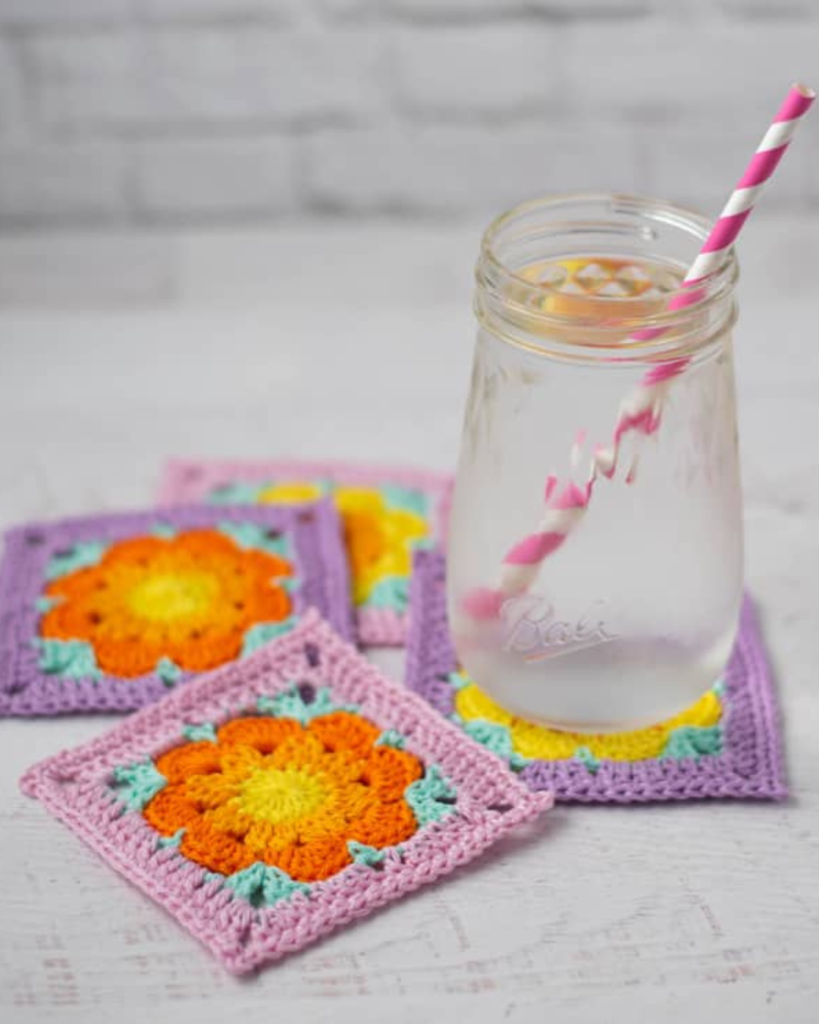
222,177
49,185
466,73
12,101
715,70
461,169
145,111
194,79
65,13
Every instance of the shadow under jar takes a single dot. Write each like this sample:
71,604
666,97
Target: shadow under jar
633,616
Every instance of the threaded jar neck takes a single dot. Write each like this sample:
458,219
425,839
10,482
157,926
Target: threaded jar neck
596,278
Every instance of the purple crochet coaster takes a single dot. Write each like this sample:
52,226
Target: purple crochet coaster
105,613
281,796
387,512
726,745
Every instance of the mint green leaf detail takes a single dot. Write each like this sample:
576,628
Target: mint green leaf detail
72,659
235,494
405,498
81,556
290,584
719,688
693,741
137,784
251,536
587,759
197,732
517,762
164,531
165,841
491,735
264,886
363,854
167,671
391,738
391,592
291,704
260,634
432,797
45,604
457,680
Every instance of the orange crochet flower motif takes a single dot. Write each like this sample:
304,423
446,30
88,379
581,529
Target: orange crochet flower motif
289,795
190,598
378,537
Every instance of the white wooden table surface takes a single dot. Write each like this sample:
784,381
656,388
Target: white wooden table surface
355,343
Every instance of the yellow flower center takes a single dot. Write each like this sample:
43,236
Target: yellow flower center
280,795
162,596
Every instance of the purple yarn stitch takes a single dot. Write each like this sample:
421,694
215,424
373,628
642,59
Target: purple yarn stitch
749,766
26,690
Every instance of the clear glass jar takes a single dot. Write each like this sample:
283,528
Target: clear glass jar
633,616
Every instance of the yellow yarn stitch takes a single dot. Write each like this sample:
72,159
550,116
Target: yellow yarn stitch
379,538
181,595
282,795
541,743
290,493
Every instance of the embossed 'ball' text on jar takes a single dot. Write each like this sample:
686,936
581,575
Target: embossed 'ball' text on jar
632,616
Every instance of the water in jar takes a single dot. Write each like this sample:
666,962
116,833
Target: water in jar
634,617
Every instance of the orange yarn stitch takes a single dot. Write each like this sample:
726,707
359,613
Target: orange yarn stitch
273,790
379,538
190,598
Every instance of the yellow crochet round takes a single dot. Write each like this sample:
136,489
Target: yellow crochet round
289,795
182,595
538,742
290,493
281,795
379,538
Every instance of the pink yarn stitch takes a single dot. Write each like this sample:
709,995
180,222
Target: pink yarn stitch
74,786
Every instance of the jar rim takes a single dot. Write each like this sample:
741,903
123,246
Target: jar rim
500,281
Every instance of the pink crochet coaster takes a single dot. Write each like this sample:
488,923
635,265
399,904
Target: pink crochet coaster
279,797
387,512
725,745
106,613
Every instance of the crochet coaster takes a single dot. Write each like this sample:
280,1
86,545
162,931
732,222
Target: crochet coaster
387,512
105,613
281,796
725,745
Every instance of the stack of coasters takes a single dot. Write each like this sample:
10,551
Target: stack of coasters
726,745
283,795
105,613
387,513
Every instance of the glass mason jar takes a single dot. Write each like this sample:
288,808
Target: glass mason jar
627,607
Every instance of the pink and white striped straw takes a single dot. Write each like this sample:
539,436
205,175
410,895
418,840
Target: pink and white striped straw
641,411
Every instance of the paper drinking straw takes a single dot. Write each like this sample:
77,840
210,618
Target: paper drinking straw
641,411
